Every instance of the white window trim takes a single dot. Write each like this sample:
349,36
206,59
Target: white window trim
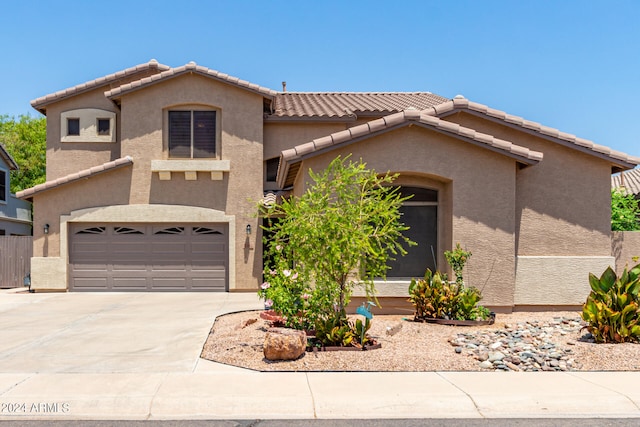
88,118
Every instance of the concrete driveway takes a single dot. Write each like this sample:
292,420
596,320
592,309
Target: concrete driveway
109,332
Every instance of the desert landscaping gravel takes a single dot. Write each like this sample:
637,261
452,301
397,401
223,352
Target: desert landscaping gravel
521,341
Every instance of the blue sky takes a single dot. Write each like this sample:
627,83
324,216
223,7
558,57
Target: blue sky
573,65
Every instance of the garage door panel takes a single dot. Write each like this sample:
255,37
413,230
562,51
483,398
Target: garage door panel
91,269
169,283
92,283
148,257
128,247
208,284
133,269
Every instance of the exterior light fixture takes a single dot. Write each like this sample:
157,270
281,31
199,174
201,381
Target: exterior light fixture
46,229
248,229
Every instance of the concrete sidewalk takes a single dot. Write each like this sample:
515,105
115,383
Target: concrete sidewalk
220,392
64,386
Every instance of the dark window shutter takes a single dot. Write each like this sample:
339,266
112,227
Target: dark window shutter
180,134
204,134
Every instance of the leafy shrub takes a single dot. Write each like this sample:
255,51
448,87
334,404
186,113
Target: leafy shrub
339,235
338,330
612,309
625,212
284,291
457,259
435,298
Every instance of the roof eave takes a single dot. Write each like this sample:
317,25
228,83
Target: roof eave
28,193
8,158
617,164
40,104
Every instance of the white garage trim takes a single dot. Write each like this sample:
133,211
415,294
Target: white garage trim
151,213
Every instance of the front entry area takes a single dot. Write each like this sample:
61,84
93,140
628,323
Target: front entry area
148,257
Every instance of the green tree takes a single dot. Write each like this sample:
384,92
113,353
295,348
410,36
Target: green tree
26,140
341,233
625,212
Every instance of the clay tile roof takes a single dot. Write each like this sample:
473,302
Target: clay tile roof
460,103
150,66
295,155
630,180
86,173
7,158
349,104
191,67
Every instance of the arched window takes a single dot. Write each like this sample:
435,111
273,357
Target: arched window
420,214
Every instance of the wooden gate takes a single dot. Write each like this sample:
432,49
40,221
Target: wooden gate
15,260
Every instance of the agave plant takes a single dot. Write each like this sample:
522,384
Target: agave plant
612,309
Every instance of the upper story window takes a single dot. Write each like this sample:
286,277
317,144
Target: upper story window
73,127
88,125
192,134
104,127
4,185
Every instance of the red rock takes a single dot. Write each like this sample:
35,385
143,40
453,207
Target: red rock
284,344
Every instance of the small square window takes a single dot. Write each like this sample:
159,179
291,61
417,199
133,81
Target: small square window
272,169
73,126
104,127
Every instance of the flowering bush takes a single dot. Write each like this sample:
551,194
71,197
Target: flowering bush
284,291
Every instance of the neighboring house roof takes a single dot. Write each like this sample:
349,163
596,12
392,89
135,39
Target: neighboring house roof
296,105
40,103
83,174
291,158
459,103
191,67
7,158
630,180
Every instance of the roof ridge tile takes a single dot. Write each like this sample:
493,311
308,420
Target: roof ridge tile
61,94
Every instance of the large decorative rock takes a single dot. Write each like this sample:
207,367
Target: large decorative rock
284,344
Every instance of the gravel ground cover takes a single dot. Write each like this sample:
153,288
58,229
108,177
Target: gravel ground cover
522,341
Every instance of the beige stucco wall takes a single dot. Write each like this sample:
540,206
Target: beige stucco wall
562,217
70,157
141,137
556,280
64,158
240,118
477,198
280,136
625,246
563,203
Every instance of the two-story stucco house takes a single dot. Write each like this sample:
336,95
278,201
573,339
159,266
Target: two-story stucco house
15,214
153,175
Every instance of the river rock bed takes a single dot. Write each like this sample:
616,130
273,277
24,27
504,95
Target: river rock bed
524,346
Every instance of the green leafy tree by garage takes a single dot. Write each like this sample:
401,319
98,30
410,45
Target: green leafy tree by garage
25,139
340,234
625,211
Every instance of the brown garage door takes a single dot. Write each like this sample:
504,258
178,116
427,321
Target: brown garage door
148,257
